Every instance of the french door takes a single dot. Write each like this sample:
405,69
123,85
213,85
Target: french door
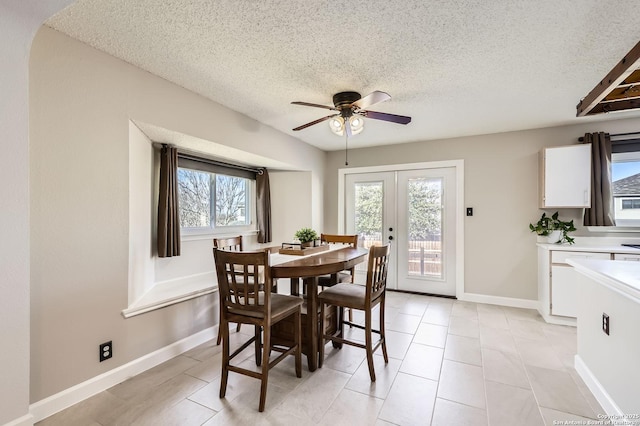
415,210
371,213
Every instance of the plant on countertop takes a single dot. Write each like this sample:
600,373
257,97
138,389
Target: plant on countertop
546,225
306,235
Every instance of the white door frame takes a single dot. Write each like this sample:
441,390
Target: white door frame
459,167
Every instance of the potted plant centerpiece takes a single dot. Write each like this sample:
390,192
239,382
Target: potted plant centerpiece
306,236
554,229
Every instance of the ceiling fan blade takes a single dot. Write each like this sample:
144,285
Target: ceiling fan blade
315,105
400,119
319,120
371,99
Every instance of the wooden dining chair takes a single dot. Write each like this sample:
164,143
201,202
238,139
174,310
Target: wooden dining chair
230,244
365,298
245,298
344,276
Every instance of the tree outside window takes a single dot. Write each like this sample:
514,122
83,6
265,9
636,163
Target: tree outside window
211,200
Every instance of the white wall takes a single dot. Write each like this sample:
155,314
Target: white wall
141,213
19,22
81,103
611,359
291,197
501,184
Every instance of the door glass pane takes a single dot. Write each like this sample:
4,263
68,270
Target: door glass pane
425,227
368,211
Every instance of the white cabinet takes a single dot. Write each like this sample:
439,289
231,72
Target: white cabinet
557,284
564,290
565,176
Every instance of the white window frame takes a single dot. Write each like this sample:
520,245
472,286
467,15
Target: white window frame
188,233
620,157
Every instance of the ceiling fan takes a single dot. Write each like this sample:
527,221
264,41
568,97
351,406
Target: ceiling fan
349,107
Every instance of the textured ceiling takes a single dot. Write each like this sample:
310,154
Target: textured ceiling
457,67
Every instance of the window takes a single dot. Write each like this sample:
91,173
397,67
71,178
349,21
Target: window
625,177
212,198
631,204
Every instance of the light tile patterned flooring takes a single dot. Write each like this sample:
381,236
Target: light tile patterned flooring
451,363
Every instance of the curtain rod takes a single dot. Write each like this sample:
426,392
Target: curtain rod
581,138
257,170
220,163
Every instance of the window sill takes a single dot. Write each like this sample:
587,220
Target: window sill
193,235
613,229
171,292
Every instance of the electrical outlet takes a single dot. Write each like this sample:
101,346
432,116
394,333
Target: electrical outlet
106,351
605,323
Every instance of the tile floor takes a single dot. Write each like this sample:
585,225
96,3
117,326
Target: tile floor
451,363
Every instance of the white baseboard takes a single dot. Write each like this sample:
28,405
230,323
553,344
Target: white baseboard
552,319
68,397
26,420
498,300
603,397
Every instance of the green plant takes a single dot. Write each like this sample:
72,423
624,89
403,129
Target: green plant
546,225
306,235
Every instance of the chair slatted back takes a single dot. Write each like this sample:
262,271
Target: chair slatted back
377,271
344,239
352,240
230,244
241,278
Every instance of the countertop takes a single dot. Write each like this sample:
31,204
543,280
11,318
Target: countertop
604,248
619,275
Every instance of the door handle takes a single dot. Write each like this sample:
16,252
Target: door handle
390,237
390,229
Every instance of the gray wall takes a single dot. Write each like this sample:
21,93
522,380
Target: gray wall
501,181
19,22
81,103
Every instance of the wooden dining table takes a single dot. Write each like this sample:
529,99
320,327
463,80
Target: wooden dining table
308,269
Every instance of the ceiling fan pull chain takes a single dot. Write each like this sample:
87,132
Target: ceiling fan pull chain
346,149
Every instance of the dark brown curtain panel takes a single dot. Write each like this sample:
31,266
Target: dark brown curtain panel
263,208
168,215
601,211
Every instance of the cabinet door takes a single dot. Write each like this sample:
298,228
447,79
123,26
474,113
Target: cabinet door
566,176
564,291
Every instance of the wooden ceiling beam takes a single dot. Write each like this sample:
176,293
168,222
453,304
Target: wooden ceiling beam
632,79
623,105
622,70
626,91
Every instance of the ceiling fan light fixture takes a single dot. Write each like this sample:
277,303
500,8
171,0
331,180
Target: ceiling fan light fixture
337,124
357,124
